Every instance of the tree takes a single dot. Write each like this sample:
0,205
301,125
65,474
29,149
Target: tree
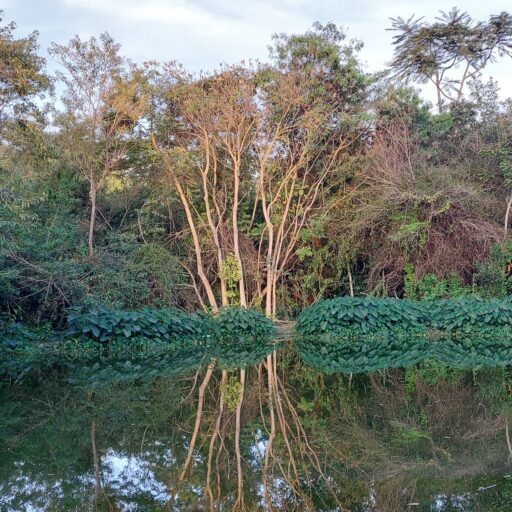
454,43
203,161
254,154
22,73
103,103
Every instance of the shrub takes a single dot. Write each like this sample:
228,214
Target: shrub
105,325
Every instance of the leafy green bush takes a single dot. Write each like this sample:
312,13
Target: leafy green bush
105,325
468,313
236,324
360,315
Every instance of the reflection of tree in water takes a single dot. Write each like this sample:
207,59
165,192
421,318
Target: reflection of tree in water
296,439
283,453
278,436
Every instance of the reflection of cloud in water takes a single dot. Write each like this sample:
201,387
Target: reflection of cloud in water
125,476
454,502
131,475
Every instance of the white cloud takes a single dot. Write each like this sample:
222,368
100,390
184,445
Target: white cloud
203,33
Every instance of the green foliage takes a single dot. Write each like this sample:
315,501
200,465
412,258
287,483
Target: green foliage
129,275
493,276
231,274
360,335
360,315
237,324
105,325
430,287
22,75
465,314
232,390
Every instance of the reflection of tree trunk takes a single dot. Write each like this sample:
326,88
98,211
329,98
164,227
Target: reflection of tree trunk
272,434
216,433
507,436
202,389
97,486
239,504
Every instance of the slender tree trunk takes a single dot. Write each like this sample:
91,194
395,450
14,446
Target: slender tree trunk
97,486
507,214
236,241
92,218
195,237
350,282
197,247
439,98
507,437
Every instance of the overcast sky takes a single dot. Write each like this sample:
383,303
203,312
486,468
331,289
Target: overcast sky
203,33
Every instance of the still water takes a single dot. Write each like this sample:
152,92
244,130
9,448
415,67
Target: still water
276,434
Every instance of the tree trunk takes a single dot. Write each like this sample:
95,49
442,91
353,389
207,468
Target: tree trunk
507,437
92,218
507,214
97,486
236,242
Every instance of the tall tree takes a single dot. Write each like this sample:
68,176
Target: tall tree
103,103
449,52
22,74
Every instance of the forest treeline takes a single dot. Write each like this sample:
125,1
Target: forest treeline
268,185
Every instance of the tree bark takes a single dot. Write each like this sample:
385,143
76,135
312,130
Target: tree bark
507,214
97,486
92,218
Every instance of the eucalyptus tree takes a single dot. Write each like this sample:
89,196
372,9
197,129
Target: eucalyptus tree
449,52
311,125
204,159
102,105
254,153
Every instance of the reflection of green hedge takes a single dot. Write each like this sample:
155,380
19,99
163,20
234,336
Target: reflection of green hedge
103,345
359,335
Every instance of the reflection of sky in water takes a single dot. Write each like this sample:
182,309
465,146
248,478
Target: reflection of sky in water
131,475
128,476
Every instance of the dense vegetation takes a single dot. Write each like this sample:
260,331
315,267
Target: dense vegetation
154,223
269,185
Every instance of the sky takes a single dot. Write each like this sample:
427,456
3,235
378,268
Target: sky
201,34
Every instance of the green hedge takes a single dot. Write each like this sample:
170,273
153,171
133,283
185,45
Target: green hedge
105,325
360,315
360,335
103,345
365,315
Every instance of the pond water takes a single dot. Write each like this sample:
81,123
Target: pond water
275,435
